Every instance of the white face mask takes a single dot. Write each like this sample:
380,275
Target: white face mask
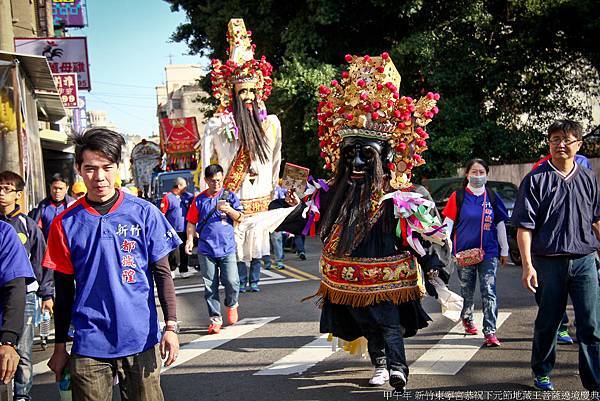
477,181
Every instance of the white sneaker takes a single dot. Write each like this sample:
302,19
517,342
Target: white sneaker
380,376
186,274
174,274
397,379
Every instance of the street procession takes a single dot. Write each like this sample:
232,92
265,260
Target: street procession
320,200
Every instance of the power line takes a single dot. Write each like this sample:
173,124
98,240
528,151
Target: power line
114,94
122,84
121,110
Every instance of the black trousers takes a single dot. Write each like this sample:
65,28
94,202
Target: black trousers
178,257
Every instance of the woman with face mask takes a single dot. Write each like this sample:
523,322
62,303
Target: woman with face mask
475,218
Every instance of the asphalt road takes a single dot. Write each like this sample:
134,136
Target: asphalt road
275,352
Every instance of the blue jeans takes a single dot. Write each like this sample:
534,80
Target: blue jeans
558,278
380,324
255,265
219,270
299,242
277,246
24,373
486,270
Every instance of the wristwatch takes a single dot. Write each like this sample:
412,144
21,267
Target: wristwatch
172,327
9,343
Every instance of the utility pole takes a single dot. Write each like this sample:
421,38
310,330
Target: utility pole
7,37
9,142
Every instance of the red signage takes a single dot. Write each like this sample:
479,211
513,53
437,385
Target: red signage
67,88
179,135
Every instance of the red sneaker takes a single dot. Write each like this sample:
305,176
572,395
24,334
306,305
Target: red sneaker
214,328
470,327
491,340
232,314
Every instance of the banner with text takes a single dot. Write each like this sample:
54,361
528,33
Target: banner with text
65,55
69,13
67,88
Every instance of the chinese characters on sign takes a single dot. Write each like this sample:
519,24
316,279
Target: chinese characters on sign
67,88
69,13
179,135
65,55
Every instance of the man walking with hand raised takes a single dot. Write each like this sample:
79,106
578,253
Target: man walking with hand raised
212,215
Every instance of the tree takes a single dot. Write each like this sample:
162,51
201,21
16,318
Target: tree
505,69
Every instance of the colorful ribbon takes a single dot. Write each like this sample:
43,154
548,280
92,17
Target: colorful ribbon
415,211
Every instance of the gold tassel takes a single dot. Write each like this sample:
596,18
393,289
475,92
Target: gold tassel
358,300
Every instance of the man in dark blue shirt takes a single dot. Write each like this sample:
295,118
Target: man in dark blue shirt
558,218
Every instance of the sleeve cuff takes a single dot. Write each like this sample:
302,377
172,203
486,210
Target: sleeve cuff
8,336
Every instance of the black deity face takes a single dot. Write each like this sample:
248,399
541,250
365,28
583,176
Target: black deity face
359,156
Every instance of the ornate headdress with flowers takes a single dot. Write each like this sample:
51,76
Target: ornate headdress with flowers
241,69
367,103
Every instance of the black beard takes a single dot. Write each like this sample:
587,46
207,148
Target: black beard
250,131
350,206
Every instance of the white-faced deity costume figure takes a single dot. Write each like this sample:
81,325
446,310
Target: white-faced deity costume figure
242,137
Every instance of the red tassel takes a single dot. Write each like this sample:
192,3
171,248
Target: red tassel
403,227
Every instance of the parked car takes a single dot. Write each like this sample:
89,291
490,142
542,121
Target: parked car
442,188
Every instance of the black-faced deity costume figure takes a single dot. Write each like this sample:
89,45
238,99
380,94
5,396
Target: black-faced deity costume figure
376,229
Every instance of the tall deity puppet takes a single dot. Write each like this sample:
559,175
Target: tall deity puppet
378,231
243,138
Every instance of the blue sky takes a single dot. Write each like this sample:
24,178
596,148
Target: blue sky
129,46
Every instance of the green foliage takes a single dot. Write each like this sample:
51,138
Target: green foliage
505,69
295,100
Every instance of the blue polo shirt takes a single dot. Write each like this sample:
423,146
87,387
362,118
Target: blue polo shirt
468,229
114,312
48,211
175,208
217,238
559,209
14,262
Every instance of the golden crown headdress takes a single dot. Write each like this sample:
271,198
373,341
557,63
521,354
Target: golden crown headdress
241,68
367,103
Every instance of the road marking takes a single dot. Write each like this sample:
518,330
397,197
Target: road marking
200,287
199,346
453,351
270,274
208,342
301,272
289,273
301,359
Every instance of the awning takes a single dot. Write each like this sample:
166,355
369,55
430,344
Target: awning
56,140
39,74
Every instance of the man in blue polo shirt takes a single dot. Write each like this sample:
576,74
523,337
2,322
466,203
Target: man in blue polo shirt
211,216
107,251
15,274
54,204
557,213
175,206
12,186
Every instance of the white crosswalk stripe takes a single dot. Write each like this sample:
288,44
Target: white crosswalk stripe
447,357
206,343
454,350
301,359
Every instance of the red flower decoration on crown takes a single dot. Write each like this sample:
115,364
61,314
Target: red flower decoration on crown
241,69
366,102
